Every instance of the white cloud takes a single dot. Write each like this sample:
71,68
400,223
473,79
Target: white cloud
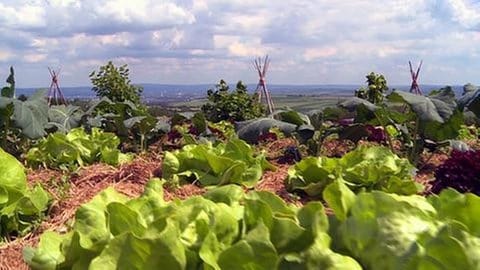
309,41
465,13
26,16
246,50
314,53
34,58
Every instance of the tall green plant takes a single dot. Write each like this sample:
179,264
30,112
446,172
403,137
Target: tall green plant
114,83
236,105
376,89
21,120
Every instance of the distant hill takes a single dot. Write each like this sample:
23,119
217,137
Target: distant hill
166,93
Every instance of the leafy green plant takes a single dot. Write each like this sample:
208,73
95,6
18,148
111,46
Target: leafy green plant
468,132
365,168
389,231
76,148
30,116
236,105
114,83
232,162
65,117
143,126
131,123
252,130
376,89
421,120
223,130
21,120
224,229
470,100
20,207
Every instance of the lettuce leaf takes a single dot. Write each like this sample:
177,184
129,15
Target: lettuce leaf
233,162
20,206
365,168
77,148
225,229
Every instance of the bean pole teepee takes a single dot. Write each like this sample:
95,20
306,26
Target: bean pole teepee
262,90
414,88
55,95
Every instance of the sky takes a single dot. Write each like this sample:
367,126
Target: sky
203,41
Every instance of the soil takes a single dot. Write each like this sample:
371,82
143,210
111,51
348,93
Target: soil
69,191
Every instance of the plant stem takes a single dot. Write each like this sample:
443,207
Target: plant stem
413,151
384,126
142,142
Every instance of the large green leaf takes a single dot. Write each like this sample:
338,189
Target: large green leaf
251,130
48,253
471,101
387,231
65,117
12,173
353,103
20,207
130,252
339,197
437,108
292,117
255,252
32,115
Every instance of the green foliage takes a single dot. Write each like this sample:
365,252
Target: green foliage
76,148
388,231
114,83
365,168
143,125
226,163
223,129
65,117
9,91
292,117
224,229
236,105
417,118
131,123
21,120
20,207
468,132
252,130
376,89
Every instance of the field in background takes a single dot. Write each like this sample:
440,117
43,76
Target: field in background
301,103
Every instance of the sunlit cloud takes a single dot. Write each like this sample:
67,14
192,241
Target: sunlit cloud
201,41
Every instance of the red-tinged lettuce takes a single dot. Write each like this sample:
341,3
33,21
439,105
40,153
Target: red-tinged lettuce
389,231
365,168
226,163
461,171
20,207
224,229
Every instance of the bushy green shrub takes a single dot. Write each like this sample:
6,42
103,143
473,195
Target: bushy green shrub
235,105
114,83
